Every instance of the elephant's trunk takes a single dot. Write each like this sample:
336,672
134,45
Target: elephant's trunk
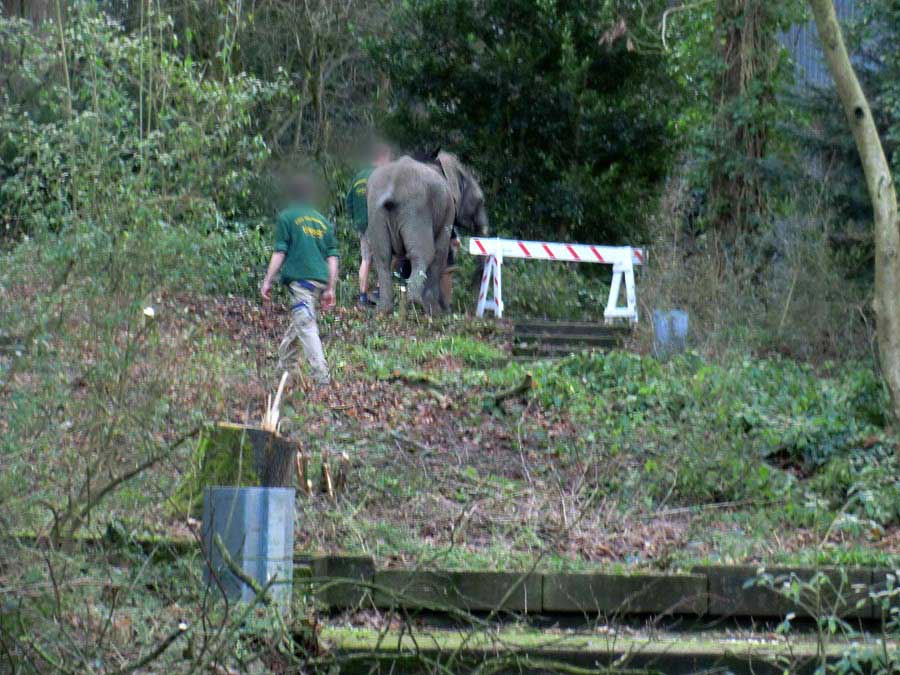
481,223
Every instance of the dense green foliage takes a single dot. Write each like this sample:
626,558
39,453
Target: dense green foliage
716,432
743,142
132,153
565,108
130,123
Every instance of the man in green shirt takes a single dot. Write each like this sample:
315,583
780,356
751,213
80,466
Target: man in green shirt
359,214
306,254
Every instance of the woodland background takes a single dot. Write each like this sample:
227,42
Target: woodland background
140,148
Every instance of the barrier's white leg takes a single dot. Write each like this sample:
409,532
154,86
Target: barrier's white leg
498,287
622,270
491,283
614,288
485,281
630,292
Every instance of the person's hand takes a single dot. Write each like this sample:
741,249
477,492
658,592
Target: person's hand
266,290
327,300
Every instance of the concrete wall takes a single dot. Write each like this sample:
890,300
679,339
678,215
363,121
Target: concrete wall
803,42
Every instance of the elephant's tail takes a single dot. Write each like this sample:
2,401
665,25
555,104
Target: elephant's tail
386,201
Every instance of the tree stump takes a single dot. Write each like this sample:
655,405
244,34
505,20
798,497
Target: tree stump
234,455
273,458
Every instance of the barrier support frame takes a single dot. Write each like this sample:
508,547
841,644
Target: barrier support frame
622,259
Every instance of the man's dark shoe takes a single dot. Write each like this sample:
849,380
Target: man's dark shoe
363,300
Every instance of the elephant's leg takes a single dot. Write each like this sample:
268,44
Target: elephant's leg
418,279
432,295
385,285
416,229
434,300
436,273
379,237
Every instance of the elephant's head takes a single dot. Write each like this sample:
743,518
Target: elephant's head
471,215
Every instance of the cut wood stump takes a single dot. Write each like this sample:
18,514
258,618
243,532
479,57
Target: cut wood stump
236,455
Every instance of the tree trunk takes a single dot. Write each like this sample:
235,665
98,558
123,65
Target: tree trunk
882,192
37,11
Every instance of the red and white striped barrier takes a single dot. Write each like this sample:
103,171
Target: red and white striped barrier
622,258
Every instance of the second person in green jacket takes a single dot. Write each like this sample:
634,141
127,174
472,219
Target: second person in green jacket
359,215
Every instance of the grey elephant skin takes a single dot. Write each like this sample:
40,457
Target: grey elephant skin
413,207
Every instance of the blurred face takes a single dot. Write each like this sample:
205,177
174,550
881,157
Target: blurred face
303,188
382,156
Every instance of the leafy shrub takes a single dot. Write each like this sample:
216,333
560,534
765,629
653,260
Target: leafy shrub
745,428
776,406
133,129
235,258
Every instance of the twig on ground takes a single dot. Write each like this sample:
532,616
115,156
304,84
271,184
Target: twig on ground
431,386
413,378
526,385
156,653
708,507
327,483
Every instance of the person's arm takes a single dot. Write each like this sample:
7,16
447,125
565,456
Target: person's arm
348,206
327,301
282,246
274,265
330,251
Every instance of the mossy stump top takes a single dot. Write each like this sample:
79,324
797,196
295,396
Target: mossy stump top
236,455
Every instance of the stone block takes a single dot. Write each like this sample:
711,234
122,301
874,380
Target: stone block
344,582
730,595
468,591
625,593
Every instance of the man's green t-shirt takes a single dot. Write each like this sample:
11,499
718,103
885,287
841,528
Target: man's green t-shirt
307,240
356,200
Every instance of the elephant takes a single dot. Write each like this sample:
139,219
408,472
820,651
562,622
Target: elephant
413,207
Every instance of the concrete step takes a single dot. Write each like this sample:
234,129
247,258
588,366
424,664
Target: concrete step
555,351
607,649
542,326
601,339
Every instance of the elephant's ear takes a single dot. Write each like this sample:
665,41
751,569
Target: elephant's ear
465,184
452,173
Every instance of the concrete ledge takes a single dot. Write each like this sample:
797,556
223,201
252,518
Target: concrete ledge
470,591
347,582
626,594
729,595
344,581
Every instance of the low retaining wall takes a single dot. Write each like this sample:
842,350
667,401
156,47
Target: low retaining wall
715,591
347,582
